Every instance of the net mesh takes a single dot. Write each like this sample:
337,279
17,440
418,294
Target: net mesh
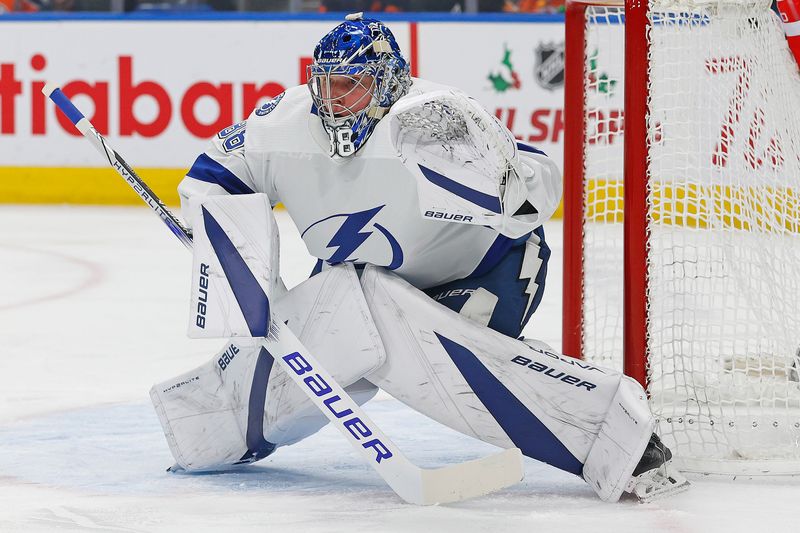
724,226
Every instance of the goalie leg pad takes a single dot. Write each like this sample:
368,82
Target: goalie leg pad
240,406
213,423
483,383
621,441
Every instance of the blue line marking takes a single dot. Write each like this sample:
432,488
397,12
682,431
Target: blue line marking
252,301
525,430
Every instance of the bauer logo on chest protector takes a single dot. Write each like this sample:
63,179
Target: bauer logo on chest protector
448,216
453,293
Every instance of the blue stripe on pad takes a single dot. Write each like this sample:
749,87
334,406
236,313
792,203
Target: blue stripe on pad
66,106
317,268
487,201
210,171
528,148
257,446
525,430
251,298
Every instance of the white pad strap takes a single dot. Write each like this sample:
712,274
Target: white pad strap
479,306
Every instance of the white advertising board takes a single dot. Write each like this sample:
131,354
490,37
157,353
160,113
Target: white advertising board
159,89
515,70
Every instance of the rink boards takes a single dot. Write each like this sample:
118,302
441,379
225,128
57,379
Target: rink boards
160,87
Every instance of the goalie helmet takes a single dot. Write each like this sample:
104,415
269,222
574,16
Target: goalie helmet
358,73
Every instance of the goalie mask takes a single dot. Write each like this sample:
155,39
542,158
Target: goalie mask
357,74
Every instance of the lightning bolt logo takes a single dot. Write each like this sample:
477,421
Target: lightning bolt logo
531,263
351,235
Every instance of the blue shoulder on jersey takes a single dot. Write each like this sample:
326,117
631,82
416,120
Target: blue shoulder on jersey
210,171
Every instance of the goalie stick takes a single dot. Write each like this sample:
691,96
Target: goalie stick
413,484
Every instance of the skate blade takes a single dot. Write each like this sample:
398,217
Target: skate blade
658,483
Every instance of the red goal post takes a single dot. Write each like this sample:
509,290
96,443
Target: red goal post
699,288
635,72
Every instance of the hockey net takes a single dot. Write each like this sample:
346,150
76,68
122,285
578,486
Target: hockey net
718,242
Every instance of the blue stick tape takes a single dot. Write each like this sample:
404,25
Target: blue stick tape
66,106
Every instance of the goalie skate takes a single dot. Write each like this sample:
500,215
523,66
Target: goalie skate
656,476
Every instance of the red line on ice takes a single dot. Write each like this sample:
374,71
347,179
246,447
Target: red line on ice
94,278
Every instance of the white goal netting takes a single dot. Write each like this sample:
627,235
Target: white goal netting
723,259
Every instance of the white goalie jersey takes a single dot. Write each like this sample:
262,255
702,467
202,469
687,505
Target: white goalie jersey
439,189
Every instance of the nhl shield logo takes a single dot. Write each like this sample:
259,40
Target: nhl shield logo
549,68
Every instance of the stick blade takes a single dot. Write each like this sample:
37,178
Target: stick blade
472,478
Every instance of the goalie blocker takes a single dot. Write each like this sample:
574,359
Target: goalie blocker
381,331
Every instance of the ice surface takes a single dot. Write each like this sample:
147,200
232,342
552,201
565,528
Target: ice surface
93,311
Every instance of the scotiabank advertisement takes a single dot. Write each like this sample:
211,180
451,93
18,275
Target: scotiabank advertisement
158,90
